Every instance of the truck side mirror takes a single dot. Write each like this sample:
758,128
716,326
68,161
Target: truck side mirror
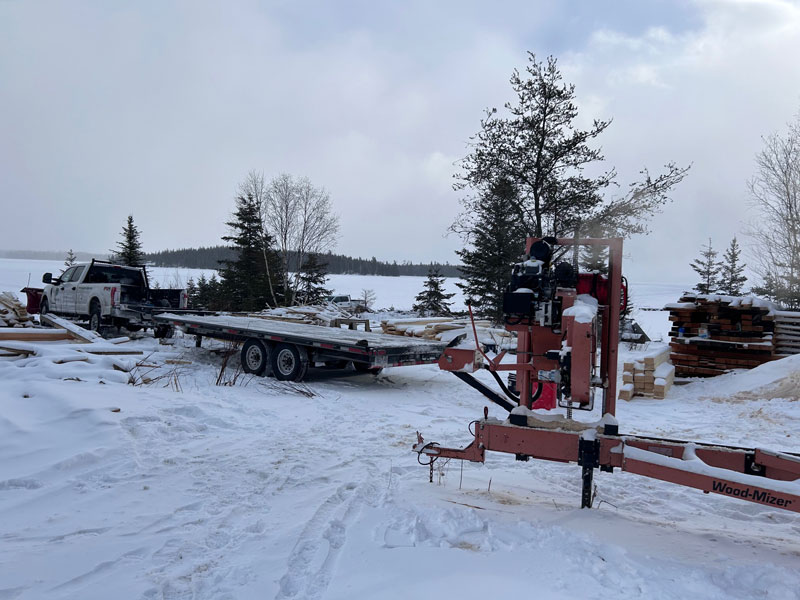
47,278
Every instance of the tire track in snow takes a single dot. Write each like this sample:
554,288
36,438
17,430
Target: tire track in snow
323,537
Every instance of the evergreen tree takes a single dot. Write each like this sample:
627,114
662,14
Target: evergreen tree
732,277
70,260
247,285
191,292
129,249
708,268
313,275
497,239
537,146
594,259
432,300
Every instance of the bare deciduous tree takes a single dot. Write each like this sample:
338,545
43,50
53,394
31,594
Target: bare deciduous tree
300,217
775,231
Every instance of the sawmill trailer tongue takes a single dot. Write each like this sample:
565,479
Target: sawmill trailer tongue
560,333
286,350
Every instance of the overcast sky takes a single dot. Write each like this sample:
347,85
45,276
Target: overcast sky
158,109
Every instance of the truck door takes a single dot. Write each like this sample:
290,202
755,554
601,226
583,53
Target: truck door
81,280
68,294
57,293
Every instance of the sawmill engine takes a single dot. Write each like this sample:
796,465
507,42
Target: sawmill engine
531,294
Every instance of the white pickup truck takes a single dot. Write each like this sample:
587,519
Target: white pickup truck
107,294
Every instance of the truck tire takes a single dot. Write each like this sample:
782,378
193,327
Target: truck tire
44,307
289,362
255,357
95,317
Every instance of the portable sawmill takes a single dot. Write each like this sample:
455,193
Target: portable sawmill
567,326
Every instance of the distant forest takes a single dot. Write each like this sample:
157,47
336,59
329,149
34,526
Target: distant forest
209,258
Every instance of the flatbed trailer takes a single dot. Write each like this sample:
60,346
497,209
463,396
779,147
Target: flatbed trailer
287,350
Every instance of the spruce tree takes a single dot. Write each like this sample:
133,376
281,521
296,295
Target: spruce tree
732,277
432,300
497,239
70,259
191,292
129,249
594,259
708,268
247,284
313,275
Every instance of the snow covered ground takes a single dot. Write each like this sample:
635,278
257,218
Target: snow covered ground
184,489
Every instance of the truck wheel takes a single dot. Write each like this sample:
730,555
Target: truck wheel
95,319
44,308
255,357
289,362
366,368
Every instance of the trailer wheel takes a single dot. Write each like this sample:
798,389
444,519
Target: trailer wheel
289,362
255,357
366,368
163,331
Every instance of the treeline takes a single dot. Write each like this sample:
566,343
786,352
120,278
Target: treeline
210,258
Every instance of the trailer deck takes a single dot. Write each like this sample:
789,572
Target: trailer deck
367,350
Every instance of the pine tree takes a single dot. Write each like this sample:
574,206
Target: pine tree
497,239
129,250
313,275
708,268
191,292
732,277
432,300
594,259
247,284
70,259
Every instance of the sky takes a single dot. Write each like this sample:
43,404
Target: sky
159,109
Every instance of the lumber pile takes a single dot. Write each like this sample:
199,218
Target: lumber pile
12,312
787,333
713,334
444,329
325,315
649,374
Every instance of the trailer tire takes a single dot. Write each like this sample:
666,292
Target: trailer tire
255,357
289,362
366,368
95,317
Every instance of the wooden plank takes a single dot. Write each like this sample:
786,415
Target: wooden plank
76,331
34,335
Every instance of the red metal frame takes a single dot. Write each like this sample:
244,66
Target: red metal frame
761,476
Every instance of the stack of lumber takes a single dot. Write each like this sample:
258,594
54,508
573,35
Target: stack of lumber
444,329
64,342
787,333
323,315
649,374
713,334
12,313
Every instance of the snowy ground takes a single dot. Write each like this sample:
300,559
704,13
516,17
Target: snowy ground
267,490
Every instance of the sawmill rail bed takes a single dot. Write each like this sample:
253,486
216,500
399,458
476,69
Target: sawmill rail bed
286,350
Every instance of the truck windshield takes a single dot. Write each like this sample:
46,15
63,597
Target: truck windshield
114,274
